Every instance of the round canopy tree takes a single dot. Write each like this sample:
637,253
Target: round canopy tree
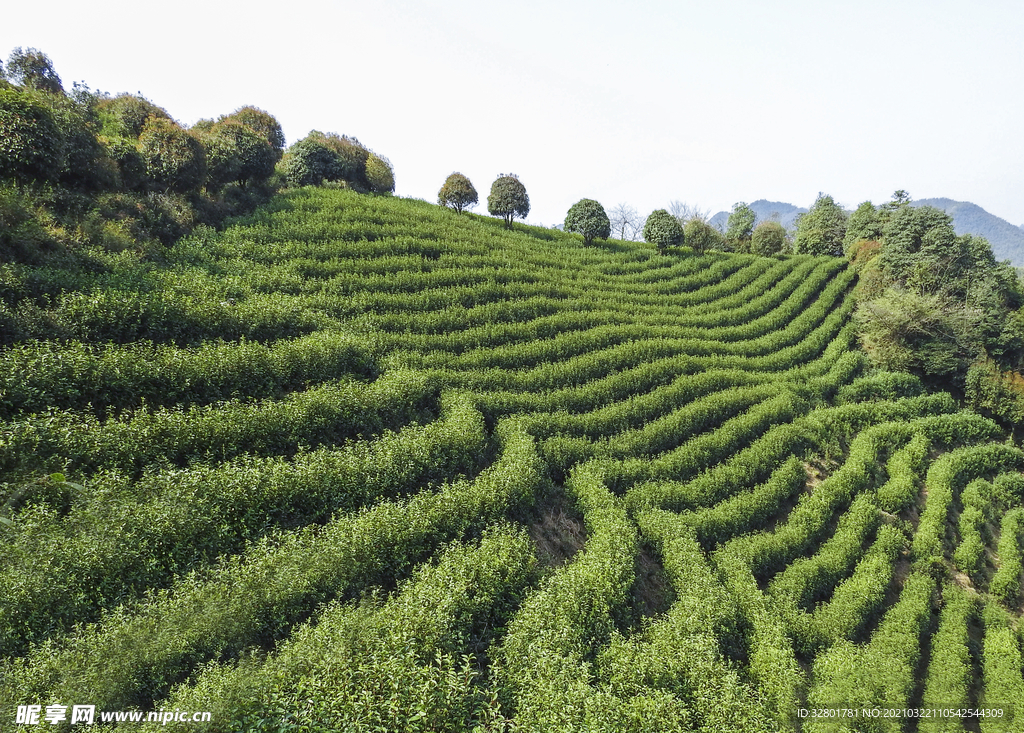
262,123
588,218
700,235
125,115
508,199
310,162
768,238
31,145
663,230
379,174
235,152
457,193
175,160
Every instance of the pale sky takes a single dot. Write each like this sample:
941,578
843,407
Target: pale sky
644,102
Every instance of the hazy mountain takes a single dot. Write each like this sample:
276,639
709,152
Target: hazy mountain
1006,239
764,210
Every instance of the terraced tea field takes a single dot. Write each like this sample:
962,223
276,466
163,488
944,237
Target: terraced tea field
365,464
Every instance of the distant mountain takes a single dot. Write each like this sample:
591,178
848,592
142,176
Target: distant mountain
764,210
1006,239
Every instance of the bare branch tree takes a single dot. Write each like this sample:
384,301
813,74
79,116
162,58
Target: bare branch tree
684,212
626,223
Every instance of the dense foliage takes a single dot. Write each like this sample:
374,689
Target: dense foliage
821,231
84,169
457,193
768,238
663,230
361,462
508,199
938,304
740,227
380,177
587,218
701,236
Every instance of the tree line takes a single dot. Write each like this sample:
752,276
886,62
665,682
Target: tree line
83,166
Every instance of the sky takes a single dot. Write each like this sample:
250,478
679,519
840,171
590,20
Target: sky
643,103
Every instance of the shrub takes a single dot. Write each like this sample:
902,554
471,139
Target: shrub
587,218
457,193
508,199
1005,584
352,154
950,670
23,233
86,165
131,168
662,230
320,157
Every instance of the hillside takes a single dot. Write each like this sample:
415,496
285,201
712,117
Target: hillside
363,463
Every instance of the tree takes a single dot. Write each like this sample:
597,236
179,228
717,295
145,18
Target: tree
175,160
222,159
663,230
310,162
235,152
821,230
85,162
31,144
262,123
740,226
379,174
457,193
131,167
33,68
352,156
683,212
625,222
508,199
700,235
864,225
588,218
125,115
768,238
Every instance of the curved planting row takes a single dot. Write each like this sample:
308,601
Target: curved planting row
379,466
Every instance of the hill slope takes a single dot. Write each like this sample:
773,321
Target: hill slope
365,462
